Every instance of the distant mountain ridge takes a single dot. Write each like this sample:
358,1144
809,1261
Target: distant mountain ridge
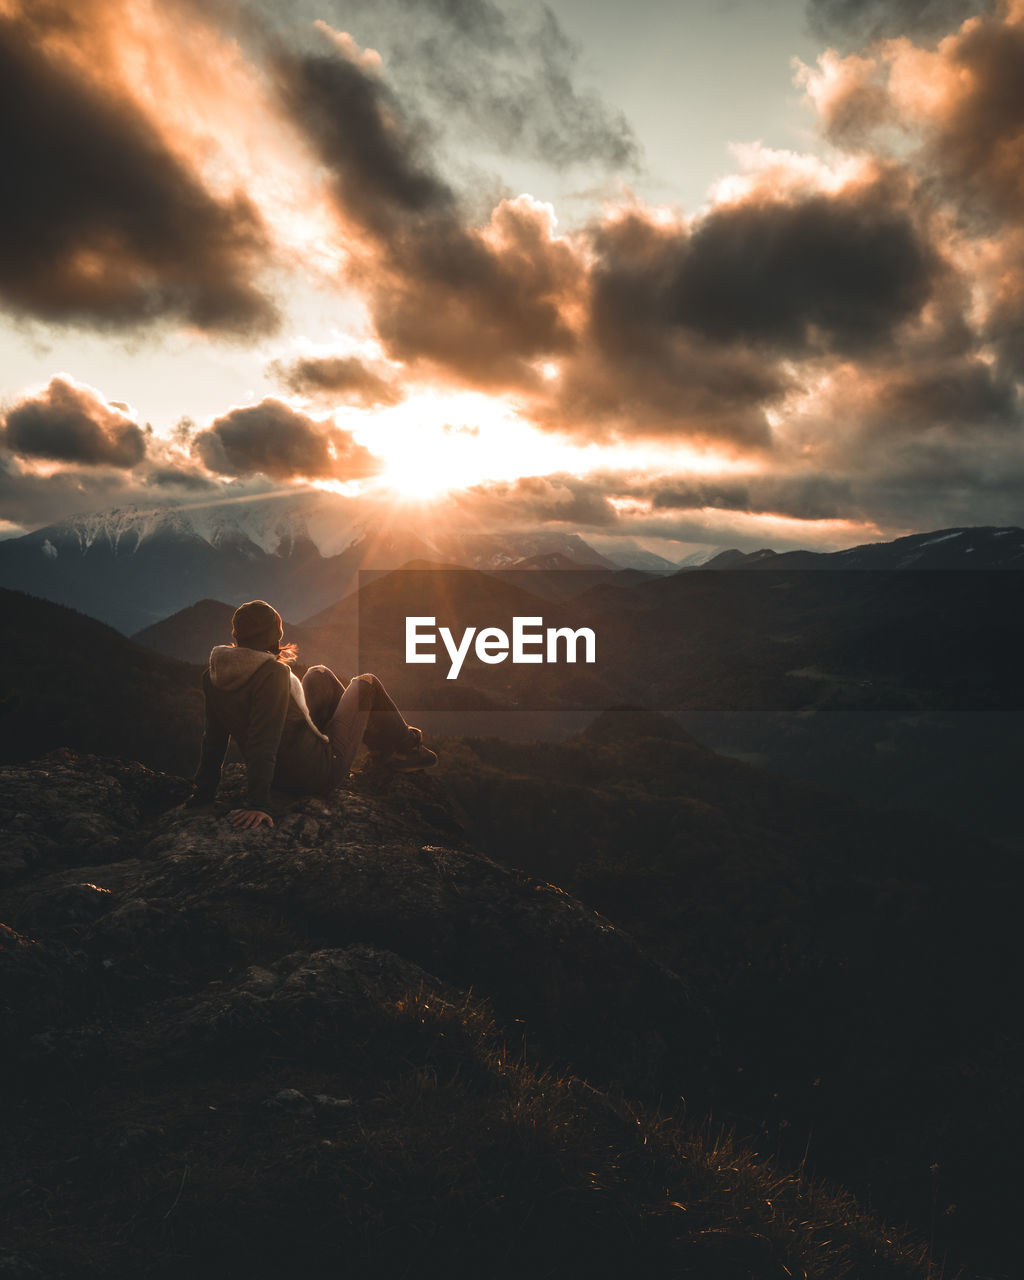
985,547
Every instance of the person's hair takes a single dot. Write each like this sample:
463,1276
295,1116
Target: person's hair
287,652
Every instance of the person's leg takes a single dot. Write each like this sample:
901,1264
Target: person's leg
322,690
391,741
361,712
386,728
347,725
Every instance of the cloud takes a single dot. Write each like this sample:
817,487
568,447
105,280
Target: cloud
101,223
557,498
510,80
973,113
955,115
799,497
274,440
694,328
962,396
177,476
836,271
960,106
861,21
654,324
72,423
481,304
378,159
636,370
342,379
505,77
31,499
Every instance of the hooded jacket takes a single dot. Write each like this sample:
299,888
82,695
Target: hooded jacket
259,702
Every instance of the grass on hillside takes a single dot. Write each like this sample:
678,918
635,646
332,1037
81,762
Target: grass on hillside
453,1160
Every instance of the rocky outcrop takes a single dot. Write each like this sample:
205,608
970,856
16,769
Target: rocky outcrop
151,900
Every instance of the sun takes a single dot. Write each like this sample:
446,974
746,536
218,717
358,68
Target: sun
418,481
435,442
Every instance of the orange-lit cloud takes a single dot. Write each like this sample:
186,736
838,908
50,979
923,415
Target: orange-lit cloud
275,440
102,221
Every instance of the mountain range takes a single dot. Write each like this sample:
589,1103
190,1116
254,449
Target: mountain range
132,566
883,669
982,547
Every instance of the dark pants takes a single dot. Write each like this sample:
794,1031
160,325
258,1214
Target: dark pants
360,711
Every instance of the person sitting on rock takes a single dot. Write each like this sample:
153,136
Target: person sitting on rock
300,736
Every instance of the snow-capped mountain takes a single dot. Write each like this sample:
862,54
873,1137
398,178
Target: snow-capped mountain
268,522
697,558
131,566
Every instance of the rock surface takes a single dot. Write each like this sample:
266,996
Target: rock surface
149,897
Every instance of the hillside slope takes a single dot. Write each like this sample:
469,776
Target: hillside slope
255,1054
860,966
68,680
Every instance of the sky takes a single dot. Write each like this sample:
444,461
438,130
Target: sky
692,274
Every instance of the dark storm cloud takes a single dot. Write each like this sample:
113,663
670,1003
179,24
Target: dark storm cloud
838,271
964,395
635,370
688,327
378,161
100,224
944,483
345,379
856,22
69,423
274,440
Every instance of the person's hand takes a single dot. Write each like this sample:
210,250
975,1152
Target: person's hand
243,819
